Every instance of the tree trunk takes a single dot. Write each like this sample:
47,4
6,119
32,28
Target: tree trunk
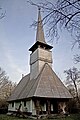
76,92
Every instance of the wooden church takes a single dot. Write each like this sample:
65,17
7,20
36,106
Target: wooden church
41,91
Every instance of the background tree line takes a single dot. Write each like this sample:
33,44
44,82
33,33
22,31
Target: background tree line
6,88
72,82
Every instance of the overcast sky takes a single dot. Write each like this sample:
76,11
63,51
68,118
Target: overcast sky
16,37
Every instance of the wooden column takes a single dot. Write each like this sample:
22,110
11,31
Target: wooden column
49,106
37,108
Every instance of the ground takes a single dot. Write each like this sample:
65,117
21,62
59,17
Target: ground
71,117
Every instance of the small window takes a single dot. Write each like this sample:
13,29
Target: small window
24,103
12,104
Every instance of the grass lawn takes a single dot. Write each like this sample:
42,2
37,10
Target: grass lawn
71,117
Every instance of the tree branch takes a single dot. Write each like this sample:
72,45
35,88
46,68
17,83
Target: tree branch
72,17
73,4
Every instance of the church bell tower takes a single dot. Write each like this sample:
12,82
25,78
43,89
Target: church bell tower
41,51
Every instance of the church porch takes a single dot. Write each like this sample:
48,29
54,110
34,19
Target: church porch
49,106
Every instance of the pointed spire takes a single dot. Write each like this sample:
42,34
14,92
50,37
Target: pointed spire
40,32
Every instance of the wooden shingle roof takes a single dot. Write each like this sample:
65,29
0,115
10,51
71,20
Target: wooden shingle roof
47,85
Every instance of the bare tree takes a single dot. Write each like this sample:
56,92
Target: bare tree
77,58
63,14
72,79
2,14
6,86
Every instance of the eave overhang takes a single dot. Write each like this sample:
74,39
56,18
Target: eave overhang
42,45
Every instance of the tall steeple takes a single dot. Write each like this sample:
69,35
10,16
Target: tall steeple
41,53
40,39
40,32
